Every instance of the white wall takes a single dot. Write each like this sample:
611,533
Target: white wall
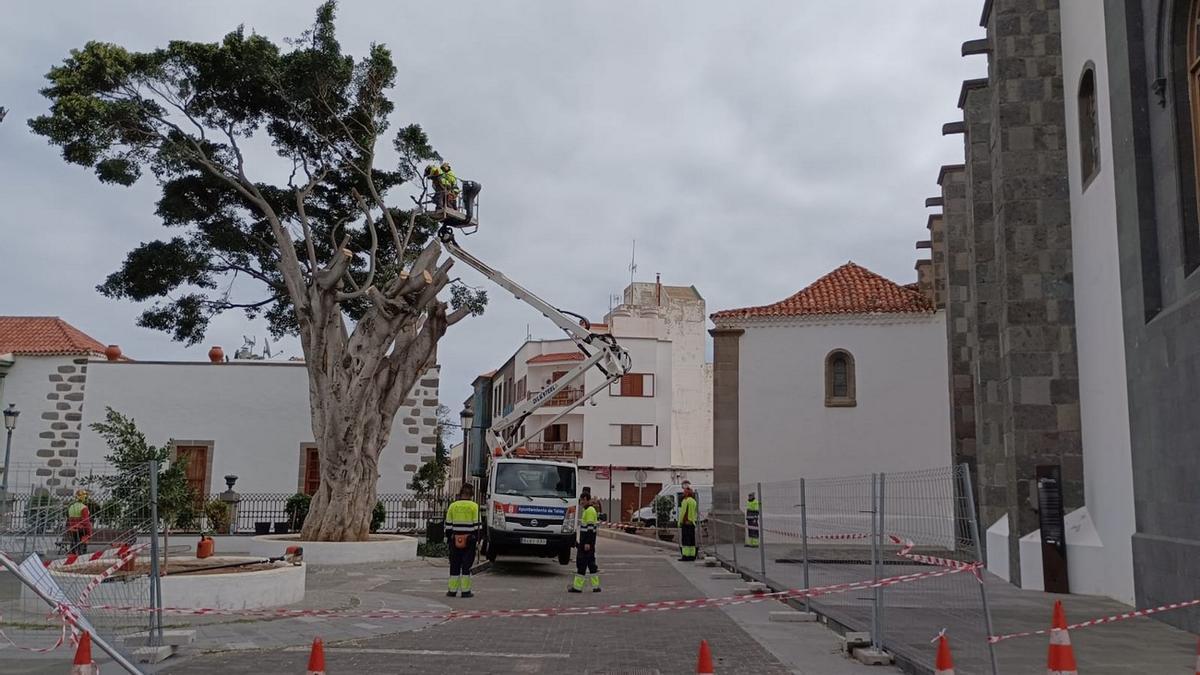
256,414
901,421
1104,412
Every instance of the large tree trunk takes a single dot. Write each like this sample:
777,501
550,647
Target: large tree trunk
357,383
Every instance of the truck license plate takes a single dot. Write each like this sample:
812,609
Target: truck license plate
533,541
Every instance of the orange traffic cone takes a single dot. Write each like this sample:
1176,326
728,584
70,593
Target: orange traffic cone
944,665
1061,660
704,664
84,665
316,658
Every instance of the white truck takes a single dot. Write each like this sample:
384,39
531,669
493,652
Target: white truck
648,516
532,508
532,502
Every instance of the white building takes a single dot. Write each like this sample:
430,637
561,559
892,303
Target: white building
248,418
844,378
657,419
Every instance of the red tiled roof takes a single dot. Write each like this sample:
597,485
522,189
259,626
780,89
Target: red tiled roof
44,336
850,289
556,357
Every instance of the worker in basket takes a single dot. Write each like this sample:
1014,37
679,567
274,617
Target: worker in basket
79,523
585,558
462,531
433,173
449,184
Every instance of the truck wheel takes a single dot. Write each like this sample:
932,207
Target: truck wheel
564,557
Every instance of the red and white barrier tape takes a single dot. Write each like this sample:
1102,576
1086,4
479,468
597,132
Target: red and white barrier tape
625,608
906,547
69,613
78,559
1137,613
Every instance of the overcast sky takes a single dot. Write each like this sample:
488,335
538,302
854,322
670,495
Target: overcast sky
748,147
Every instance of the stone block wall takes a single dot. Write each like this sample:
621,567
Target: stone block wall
60,420
956,290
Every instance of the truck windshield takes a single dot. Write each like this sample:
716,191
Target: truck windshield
536,480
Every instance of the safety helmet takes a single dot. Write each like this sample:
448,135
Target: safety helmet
445,166
432,170
81,494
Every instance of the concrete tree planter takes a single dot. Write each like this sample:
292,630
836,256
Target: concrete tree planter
380,548
231,588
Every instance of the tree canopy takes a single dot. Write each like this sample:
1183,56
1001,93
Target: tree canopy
187,113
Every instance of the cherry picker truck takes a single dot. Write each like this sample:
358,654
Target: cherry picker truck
531,499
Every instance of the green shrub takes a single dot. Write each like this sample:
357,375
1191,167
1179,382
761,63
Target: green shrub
662,511
428,550
297,510
377,517
218,515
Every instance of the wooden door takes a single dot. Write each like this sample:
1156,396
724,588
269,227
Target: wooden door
195,467
312,471
629,498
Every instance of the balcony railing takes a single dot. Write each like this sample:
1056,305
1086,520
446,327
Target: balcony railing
565,397
554,449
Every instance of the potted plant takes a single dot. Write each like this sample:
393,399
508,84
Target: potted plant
281,527
378,515
296,509
262,527
218,516
662,514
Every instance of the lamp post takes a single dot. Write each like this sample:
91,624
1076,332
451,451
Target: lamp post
10,423
466,417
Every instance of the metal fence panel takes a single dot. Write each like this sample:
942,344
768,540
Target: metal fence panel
830,531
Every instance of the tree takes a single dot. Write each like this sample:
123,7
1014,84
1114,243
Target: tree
430,479
128,487
330,256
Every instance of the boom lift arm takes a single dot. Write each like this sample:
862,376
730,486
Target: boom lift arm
599,350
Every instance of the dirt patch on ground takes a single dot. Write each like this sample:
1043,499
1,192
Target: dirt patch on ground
191,566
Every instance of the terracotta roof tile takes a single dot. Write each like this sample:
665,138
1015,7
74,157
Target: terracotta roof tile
557,357
850,289
44,336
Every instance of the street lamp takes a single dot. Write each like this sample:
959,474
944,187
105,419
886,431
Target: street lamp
466,417
10,423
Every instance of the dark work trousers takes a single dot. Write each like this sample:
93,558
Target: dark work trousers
687,540
585,561
461,559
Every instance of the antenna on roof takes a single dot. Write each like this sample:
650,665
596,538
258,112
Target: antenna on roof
633,262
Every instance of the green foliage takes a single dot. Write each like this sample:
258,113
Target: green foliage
428,550
128,488
296,509
430,479
182,112
662,510
218,515
377,516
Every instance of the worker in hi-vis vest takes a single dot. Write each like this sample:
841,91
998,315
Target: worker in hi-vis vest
79,523
687,524
462,531
753,513
585,557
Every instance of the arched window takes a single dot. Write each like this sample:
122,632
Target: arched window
1089,127
839,379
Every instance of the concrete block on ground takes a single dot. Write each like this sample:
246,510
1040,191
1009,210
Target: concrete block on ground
710,561
153,654
792,616
726,575
854,639
752,587
872,657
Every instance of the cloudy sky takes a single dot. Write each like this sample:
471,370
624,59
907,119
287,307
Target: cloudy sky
748,147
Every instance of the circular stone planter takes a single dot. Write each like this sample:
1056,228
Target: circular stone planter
219,589
380,548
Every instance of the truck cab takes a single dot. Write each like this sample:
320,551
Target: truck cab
532,508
